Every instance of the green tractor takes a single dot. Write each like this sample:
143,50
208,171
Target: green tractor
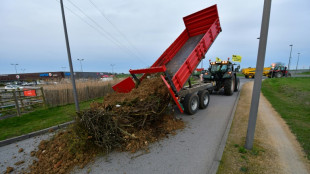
224,75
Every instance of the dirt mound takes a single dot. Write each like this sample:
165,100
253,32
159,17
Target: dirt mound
123,122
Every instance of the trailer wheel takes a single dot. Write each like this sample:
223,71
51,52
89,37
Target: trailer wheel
191,103
204,99
246,76
210,91
237,84
229,86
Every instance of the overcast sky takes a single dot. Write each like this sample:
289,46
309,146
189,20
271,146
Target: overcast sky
31,32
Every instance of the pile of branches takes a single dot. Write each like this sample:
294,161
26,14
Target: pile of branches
125,122
118,120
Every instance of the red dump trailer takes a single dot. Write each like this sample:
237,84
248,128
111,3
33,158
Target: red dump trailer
181,59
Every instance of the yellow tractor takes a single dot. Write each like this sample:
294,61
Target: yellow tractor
250,72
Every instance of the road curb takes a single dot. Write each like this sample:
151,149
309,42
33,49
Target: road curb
220,150
33,134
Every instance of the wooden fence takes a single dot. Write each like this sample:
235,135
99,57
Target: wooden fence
61,94
18,101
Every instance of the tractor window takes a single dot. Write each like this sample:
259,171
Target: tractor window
215,68
224,68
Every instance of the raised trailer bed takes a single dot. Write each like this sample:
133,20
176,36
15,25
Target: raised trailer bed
181,59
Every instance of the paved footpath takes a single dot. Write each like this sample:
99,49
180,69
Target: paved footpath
192,150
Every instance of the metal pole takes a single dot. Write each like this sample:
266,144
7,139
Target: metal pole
297,61
15,66
77,107
81,64
289,60
112,65
259,74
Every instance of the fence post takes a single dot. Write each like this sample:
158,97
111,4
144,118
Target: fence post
43,97
21,101
16,103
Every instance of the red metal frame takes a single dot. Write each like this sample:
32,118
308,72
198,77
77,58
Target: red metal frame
182,75
204,22
172,94
124,86
151,70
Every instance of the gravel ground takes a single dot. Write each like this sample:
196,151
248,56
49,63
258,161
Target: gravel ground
10,153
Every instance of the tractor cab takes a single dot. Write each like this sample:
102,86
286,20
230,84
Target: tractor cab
223,73
218,70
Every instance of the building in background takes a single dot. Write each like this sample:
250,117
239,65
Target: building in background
50,76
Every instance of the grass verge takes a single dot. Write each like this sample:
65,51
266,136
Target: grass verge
240,75
305,73
39,119
237,159
291,99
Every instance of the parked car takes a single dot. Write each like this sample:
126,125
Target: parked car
13,87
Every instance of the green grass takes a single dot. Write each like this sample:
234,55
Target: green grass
39,119
305,73
122,75
240,75
291,98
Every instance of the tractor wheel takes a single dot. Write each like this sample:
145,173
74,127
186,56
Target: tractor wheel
246,76
253,76
278,75
191,103
229,86
204,99
237,84
289,75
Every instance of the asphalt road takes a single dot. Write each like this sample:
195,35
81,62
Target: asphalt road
191,150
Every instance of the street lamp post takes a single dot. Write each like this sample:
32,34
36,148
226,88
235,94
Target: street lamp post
112,65
297,61
289,60
76,101
15,64
259,73
81,64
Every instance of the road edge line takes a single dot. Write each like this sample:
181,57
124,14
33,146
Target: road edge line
33,134
220,151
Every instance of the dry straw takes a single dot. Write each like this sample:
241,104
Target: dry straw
61,93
